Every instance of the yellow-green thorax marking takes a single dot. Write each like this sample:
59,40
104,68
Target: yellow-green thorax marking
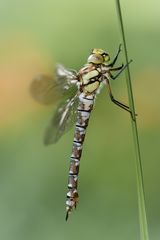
90,75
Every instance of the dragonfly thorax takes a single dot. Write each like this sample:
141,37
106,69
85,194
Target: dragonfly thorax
90,78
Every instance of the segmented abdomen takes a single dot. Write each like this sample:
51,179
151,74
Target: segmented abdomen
83,114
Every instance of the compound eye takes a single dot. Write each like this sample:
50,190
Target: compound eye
95,58
106,57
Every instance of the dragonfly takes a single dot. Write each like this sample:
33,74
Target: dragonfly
77,92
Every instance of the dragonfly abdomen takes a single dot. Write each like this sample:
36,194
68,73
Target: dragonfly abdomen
83,115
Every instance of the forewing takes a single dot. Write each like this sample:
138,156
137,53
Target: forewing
47,89
65,76
63,119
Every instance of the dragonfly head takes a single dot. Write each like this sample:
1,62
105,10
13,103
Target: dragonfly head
98,56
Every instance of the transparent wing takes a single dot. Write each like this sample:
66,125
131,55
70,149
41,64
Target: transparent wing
47,89
63,119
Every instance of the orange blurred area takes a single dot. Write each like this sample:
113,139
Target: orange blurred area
21,62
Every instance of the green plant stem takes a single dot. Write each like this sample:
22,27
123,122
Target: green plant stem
139,170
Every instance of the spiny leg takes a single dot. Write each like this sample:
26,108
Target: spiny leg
123,106
115,58
117,68
121,68
67,215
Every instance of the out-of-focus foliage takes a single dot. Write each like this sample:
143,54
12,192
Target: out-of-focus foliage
33,178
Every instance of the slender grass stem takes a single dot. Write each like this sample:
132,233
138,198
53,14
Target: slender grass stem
139,170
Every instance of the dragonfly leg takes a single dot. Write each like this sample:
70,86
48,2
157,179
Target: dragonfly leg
117,68
119,104
115,58
121,68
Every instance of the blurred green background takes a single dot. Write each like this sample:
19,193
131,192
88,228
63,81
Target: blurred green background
33,178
